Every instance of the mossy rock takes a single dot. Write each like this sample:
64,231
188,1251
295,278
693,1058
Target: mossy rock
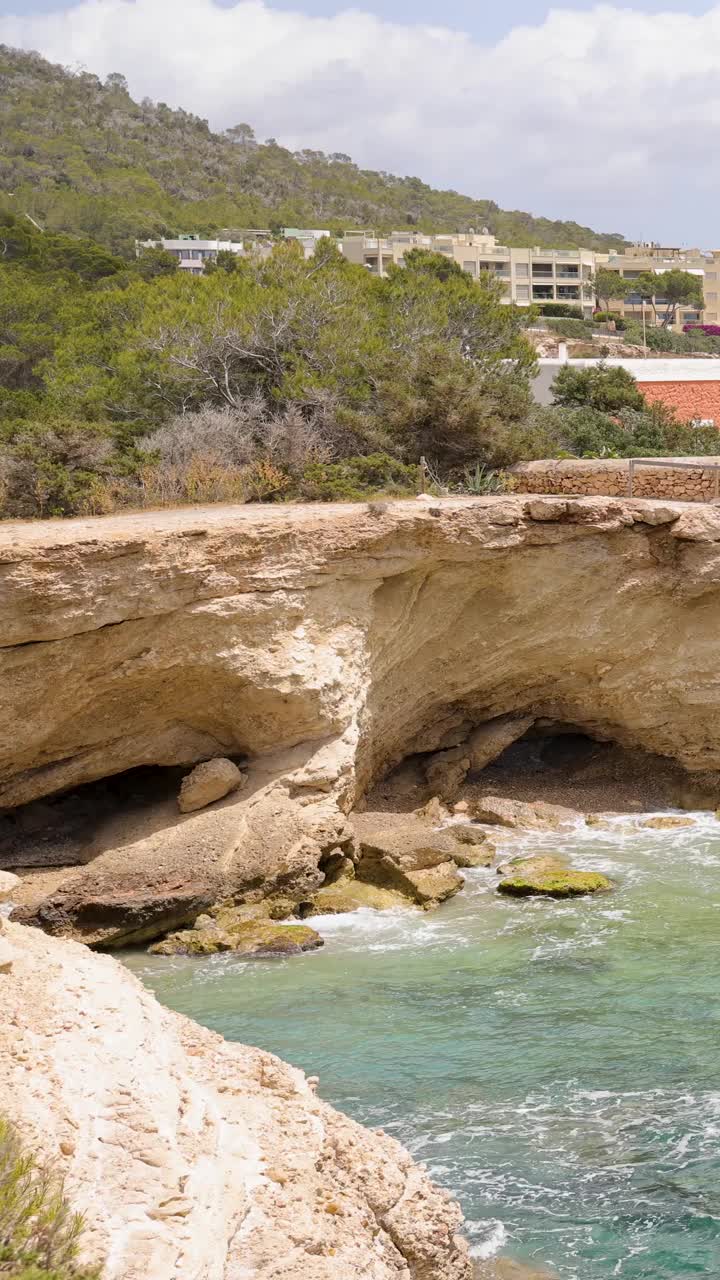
555,884
542,864
249,938
351,895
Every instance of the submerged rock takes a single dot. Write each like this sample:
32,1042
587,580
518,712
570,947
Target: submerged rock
244,937
209,782
667,823
565,883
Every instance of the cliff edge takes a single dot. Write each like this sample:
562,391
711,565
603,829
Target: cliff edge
192,1158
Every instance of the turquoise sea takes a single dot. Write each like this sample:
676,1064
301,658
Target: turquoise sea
557,1066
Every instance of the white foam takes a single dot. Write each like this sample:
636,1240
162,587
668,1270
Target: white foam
496,1238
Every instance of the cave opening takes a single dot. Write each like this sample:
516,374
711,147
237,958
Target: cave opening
73,826
561,762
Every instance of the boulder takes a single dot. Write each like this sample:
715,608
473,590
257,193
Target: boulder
241,936
8,884
555,884
668,823
499,811
467,856
209,781
473,847
466,833
399,852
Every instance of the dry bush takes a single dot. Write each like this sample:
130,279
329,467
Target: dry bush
236,437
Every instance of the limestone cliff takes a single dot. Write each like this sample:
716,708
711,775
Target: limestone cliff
196,1159
322,645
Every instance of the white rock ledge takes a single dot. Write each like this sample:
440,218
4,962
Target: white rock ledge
196,1159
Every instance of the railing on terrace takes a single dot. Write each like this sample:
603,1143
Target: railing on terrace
671,465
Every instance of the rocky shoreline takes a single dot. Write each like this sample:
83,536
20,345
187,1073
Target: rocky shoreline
227,723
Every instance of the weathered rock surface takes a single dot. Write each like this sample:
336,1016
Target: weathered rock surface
196,1158
209,781
501,812
399,852
326,644
8,884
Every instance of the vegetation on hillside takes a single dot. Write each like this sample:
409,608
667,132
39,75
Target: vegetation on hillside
134,384
80,155
39,1233
278,379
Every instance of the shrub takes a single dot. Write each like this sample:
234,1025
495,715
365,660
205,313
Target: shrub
39,1234
571,328
356,479
710,330
565,309
55,468
607,388
609,317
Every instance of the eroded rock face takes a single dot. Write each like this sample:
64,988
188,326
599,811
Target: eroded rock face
325,645
196,1158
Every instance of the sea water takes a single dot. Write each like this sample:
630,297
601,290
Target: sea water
555,1064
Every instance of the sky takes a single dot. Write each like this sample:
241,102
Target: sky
606,113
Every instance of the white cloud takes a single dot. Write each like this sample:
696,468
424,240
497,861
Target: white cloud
608,116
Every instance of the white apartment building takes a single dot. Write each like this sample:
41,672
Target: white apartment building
308,239
638,259
527,275
193,251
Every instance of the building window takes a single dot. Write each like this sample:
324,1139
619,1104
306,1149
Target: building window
521,270
691,317
469,267
522,293
543,292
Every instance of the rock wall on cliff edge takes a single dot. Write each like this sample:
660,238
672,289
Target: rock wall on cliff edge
323,644
192,1158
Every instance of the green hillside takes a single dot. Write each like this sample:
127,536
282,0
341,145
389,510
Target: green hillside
80,155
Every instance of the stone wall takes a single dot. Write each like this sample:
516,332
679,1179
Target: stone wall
609,477
687,400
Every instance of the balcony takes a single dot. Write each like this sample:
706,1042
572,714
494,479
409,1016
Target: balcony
568,293
542,270
543,292
568,273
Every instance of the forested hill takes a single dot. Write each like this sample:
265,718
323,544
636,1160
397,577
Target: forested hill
80,155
